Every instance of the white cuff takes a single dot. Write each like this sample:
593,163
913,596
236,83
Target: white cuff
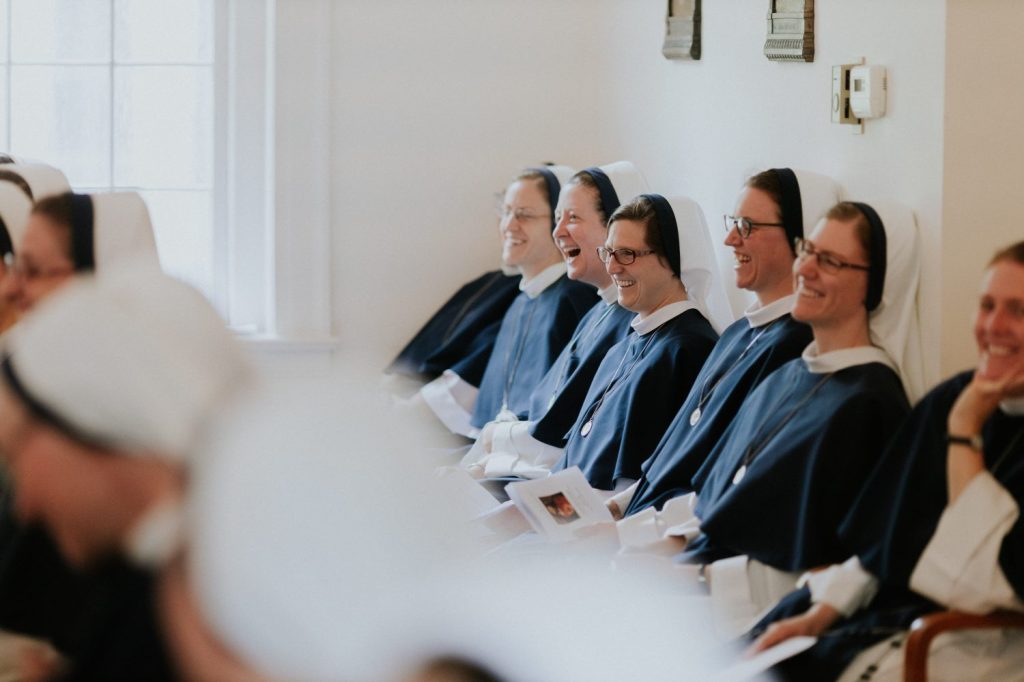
742,591
846,587
623,498
516,453
649,526
960,566
452,400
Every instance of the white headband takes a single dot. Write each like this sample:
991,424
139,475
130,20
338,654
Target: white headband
133,360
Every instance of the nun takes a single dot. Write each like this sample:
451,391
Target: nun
69,234
659,258
296,568
785,473
97,453
937,525
529,448
460,335
536,326
15,206
773,210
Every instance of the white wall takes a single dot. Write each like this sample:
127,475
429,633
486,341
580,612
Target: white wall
436,104
983,151
701,127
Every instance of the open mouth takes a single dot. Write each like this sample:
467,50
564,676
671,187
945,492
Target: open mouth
624,283
741,259
1001,351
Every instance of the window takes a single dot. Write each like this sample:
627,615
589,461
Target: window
119,94
182,101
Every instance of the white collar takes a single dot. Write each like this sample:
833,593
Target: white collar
536,285
610,294
1013,406
835,360
758,315
661,316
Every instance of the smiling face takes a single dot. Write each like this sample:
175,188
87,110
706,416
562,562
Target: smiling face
579,232
526,229
646,284
999,322
764,260
44,261
828,300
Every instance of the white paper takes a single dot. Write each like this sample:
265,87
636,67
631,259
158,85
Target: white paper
560,505
754,666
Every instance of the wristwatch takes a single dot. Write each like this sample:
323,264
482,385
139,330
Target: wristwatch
973,442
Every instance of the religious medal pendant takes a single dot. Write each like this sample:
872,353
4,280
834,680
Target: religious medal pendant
695,417
740,473
586,428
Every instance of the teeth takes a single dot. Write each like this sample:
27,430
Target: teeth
513,242
1000,351
623,283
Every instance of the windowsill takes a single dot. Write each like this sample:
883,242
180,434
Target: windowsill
279,344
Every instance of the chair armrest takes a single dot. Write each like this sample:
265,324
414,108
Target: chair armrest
927,628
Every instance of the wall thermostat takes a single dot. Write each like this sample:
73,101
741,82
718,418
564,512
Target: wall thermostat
867,91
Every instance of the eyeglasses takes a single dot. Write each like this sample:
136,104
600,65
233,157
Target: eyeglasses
28,272
521,215
744,225
826,261
621,256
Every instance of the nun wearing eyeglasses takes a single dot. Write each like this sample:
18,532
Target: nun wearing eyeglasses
529,448
97,454
937,526
461,334
773,210
69,234
536,326
659,258
774,490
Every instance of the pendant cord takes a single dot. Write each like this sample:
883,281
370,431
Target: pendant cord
616,380
512,364
574,344
754,449
705,397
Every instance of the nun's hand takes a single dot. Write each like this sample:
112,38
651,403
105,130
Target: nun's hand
982,396
815,621
613,507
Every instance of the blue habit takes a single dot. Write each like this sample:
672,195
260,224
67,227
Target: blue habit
893,520
807,443
557,401
652,375
460,335
533,333
741,360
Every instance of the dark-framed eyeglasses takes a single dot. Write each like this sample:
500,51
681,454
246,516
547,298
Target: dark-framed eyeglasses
828,262
744,226
621,256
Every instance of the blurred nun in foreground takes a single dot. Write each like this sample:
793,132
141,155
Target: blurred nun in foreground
309,563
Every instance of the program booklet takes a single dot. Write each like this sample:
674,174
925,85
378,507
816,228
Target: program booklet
559,506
